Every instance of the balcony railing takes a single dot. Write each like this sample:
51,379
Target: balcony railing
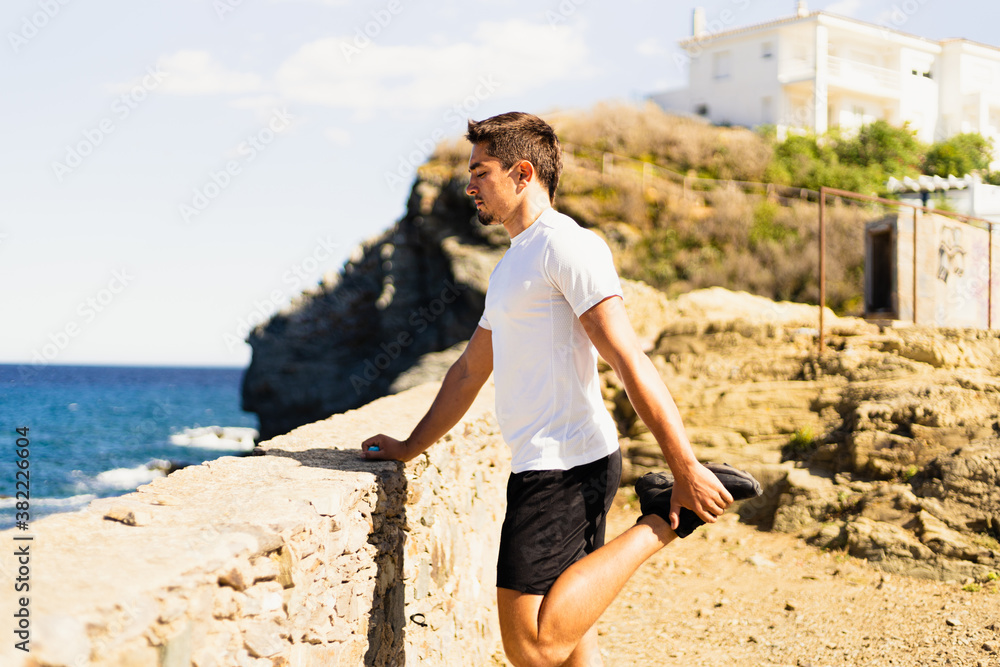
844,73
794,69
852,74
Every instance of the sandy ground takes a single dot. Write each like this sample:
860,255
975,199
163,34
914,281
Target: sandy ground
733,595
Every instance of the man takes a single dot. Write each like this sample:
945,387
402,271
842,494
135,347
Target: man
554,302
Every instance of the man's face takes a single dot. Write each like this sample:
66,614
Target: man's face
492,186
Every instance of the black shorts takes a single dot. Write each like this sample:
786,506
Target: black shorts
554,518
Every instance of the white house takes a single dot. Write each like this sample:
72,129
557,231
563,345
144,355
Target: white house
818,70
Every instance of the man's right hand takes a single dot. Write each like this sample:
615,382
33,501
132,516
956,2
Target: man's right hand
458,390
388,449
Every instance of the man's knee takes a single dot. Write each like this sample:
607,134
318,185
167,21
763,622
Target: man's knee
527,653
524,645
526,649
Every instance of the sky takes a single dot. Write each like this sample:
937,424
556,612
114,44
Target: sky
173,172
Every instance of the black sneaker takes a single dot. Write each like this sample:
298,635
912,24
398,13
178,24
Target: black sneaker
654,489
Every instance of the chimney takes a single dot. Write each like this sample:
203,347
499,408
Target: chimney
802,9
698,22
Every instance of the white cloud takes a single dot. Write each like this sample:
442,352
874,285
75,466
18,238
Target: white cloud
845,7
338,135
344,73
198,73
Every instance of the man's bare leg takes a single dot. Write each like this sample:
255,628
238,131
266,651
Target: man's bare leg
587,653
546,630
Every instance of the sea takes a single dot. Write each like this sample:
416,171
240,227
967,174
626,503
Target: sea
89,432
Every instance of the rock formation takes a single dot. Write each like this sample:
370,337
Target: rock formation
887,446
418,288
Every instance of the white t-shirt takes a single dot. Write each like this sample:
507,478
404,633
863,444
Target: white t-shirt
548,393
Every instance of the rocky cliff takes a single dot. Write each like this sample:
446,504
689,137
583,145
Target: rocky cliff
418,288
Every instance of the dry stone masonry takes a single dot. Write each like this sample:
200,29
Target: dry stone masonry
304,556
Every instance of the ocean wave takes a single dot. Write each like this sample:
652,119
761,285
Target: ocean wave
82,499
227,438
121,479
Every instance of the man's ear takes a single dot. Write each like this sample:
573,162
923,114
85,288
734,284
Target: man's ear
525,174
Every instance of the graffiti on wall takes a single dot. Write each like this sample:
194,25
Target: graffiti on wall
951,253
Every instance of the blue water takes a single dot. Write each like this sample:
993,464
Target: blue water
98,431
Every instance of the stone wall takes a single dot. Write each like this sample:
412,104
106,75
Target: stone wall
304,556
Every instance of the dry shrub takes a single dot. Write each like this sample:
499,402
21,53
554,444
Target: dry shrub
594,200
748,242
677,142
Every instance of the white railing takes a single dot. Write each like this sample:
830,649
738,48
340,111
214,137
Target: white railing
796,69
854,74
844,73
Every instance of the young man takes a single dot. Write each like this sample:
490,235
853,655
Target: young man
553,304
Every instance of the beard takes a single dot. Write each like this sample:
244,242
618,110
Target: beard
486,218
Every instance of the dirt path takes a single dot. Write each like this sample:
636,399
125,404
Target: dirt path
733,595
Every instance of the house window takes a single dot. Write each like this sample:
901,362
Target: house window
701,109
722,63
767,50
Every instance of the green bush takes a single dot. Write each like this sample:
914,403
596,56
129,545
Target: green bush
895,149
766,226
960,155
859,163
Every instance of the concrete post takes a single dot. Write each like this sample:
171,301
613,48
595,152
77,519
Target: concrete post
821,82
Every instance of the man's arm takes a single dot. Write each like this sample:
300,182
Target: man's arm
695,487
459,389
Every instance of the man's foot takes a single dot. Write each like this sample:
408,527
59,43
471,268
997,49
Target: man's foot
654,489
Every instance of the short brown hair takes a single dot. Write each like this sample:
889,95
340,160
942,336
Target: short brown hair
515,136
